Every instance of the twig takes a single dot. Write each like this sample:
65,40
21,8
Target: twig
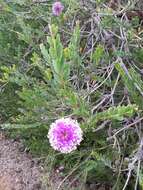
126,127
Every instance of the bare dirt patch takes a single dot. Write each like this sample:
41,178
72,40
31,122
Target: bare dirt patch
18,170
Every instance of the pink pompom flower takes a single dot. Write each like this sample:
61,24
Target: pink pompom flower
57,8
65,135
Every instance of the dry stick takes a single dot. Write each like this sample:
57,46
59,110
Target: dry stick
123,35
137,157
99,104
112,68
76,178
128,178
138,170
118,176
67,177
128,74
118,144
101,126
40,1
115,5
74,169
126,127
96,86
130,172
115,85
113,90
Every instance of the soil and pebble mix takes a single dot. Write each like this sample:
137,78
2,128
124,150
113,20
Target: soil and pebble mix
18,170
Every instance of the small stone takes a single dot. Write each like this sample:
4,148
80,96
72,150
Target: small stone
37,186
22,148
18,170
93,186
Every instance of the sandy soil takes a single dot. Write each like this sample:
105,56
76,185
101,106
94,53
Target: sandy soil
18,170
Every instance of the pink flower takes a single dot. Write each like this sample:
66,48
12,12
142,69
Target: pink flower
57,8
65,135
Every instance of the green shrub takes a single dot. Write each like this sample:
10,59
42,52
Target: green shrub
74,65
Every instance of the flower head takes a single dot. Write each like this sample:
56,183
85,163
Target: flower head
65,134
57,8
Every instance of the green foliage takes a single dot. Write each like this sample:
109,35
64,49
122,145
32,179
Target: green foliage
74,102
141,179
70,66
97,169
8,102
133,83
138,54
55,57
114,113
98,54
74,47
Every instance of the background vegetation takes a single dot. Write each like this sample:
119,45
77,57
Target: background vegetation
86,64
